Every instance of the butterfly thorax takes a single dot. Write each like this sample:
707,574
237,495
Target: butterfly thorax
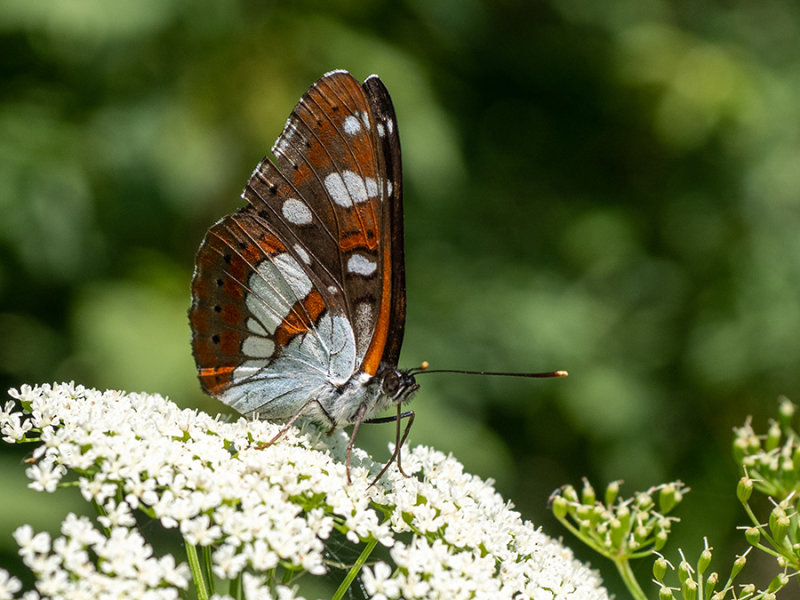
389,387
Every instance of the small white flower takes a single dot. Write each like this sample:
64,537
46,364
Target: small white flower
378,583
8,585
30,543
227,563
117,515
45,475
14,428
199,531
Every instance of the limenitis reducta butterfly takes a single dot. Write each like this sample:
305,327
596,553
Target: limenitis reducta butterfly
298,299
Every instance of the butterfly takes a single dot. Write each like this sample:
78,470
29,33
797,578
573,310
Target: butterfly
298,299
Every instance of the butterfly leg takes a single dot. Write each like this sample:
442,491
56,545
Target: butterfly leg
356,423
294,418
399,441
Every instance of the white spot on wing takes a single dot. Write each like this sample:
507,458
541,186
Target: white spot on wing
389,126
247,369
361,265
365,118
346,188
372,187
256,327
258,347
381,130
388,188
274,288
301,252
363,327
352,125
296,212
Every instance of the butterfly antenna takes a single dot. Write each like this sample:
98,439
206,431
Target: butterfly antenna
423,369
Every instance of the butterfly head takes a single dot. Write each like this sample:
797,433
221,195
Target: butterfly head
396,385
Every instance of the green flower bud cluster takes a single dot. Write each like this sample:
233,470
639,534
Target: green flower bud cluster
619,528
770,465
696,583
771,460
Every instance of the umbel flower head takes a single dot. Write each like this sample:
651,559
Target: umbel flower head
253,521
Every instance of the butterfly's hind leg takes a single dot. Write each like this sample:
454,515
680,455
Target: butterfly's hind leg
294,418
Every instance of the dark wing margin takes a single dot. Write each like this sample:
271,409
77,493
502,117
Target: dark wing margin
392,217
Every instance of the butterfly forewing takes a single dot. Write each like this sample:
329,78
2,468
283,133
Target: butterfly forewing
334,204
297,291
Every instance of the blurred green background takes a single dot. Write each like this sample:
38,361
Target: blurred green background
611,188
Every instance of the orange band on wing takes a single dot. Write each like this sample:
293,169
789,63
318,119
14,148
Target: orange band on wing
372,359
215,379
302,316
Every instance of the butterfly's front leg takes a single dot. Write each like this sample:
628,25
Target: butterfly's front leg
294,418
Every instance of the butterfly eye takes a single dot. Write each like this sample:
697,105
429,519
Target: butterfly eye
391,383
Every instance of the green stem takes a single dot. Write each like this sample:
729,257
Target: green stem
101,512
585,538
354,570
208,575
625,571
197,574
235,587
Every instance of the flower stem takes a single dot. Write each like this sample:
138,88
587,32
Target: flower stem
625,571
354,570
197,574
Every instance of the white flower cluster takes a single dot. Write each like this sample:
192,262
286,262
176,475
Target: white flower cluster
262,513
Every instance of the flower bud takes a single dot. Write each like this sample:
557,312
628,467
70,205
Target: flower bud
661,539
739,449
779,525
569,493
665,593
588,495
738,565
689,589
560,507
660,568
753,536
624,517
705,560
711,583
612,492
668,497
684,571
773,436
584,513
644,501
640,533
786,410
744,489
778,582
618,533
748,590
